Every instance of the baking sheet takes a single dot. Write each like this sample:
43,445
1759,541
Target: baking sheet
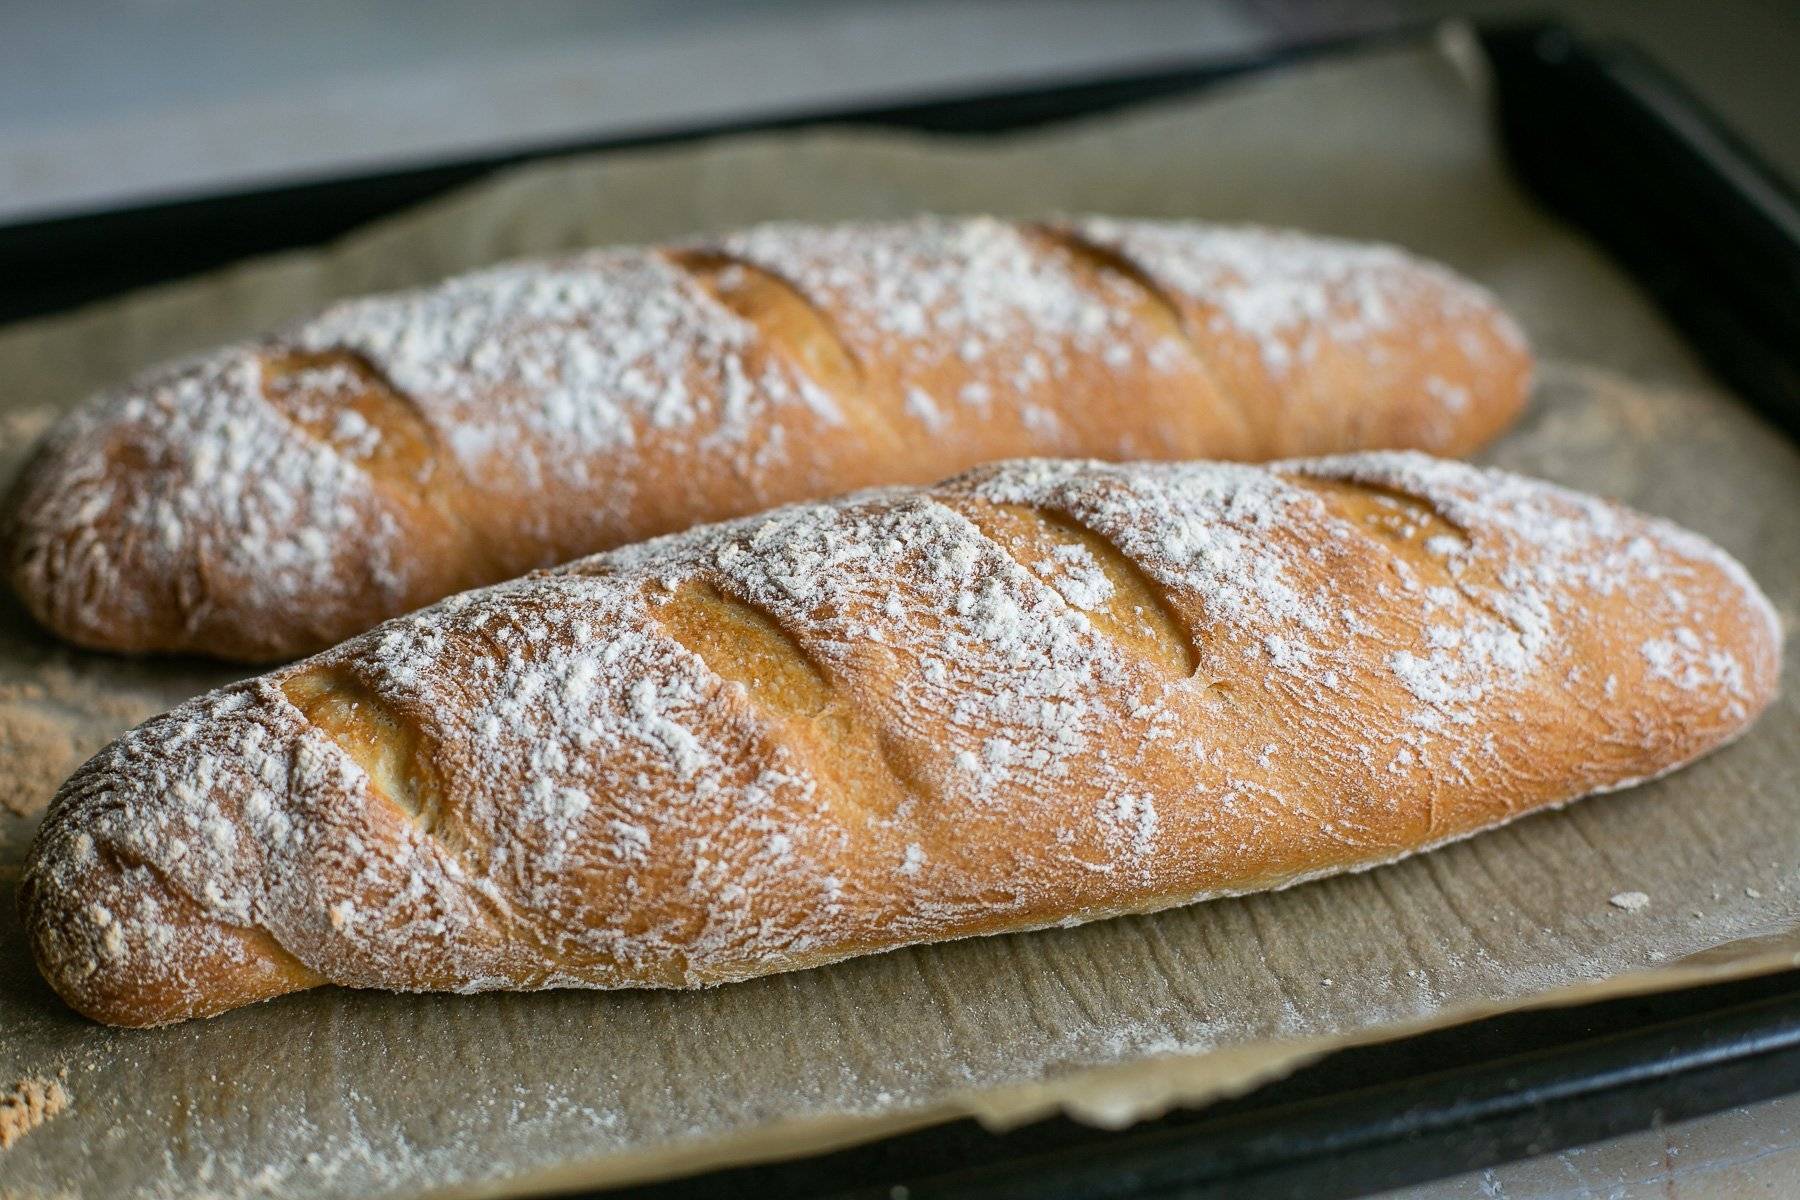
335,1093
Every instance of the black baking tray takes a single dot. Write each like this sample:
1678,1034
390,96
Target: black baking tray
1602,137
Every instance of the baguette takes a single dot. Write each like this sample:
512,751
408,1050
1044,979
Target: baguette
1038,694
276,497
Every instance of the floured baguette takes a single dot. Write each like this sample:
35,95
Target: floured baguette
1041,693
273,498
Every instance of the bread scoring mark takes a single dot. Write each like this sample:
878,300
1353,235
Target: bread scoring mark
1155,305
1410,525
744,645
392,751
791,326
1093,575
741,643
1428,548
339,398
1397,513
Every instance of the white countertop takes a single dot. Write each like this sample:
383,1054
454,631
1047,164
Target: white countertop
103,102
94,113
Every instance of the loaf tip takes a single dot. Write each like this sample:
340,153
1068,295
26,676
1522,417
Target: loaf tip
111,932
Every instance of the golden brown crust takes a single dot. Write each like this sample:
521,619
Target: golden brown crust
1042,692
273,498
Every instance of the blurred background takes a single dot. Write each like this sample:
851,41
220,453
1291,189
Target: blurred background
103,102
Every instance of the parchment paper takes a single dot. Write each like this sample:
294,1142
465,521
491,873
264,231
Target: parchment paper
334,1093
